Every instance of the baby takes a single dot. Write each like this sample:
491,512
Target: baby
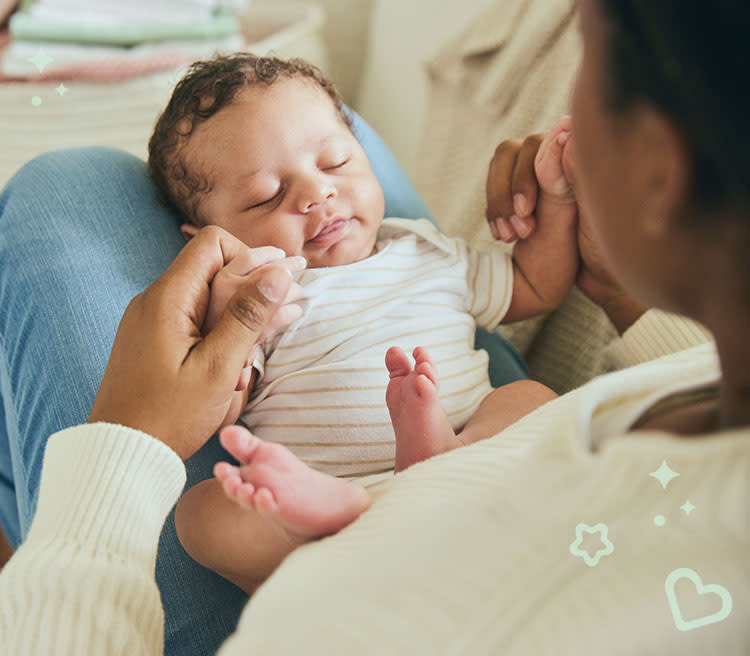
263,148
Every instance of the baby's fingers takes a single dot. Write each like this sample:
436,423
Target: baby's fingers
549,161
244,379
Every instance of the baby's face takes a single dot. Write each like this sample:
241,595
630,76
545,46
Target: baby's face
287,172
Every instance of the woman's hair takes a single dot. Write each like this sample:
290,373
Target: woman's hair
688,58
206,88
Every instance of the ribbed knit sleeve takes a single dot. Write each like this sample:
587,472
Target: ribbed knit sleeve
654,334
83,581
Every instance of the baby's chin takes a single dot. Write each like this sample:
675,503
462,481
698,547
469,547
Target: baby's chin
339,255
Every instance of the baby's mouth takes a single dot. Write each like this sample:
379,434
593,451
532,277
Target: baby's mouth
332,231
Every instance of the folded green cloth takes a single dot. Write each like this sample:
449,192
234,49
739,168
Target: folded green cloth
31,28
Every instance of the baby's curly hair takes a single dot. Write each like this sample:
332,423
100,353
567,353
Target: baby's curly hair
206,88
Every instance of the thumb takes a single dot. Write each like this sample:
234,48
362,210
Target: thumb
224,350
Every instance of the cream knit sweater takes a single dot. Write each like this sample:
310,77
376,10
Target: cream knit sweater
473,552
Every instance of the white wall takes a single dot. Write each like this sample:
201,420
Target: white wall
376,50
345,33
404,33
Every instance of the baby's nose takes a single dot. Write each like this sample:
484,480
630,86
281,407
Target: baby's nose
316,194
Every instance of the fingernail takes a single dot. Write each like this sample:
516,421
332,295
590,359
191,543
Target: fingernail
493,229
520,226
272,286
505,234
563,137
296,263
520,205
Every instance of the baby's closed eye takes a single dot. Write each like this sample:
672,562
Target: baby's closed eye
266,202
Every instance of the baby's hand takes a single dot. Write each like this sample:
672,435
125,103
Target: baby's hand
548,164
229,280
523,173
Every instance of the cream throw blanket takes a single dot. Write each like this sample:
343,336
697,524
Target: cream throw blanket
507,75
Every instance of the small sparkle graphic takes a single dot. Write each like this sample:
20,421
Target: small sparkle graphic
62,89
659,520
664,474
36,101
687,507
40,60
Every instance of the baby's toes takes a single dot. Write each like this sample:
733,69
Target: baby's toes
264,502
428,370
397,362
245,495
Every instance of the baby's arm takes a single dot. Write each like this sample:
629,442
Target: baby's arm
545,263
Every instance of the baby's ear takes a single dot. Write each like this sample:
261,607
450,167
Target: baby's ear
189,230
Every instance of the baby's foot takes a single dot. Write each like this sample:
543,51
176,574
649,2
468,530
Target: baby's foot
275,483
422,428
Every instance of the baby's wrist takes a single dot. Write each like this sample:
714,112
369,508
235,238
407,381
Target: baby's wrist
565,201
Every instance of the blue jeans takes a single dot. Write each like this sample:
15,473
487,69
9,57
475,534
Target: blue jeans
81,233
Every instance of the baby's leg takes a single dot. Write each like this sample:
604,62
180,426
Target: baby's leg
504,406
243,523
421,425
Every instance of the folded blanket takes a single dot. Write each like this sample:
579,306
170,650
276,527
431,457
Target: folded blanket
104,63
122,31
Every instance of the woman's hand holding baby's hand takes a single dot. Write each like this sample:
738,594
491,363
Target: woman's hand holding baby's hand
168,377
542,167
523,174
231,277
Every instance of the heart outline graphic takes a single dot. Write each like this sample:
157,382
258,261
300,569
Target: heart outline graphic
713,588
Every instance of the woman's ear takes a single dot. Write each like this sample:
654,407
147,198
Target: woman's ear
189,230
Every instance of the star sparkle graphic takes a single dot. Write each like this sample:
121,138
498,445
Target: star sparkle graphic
687,507
664,474
61,89
41,59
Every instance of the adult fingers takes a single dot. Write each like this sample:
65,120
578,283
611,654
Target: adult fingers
512,188
524,185
223,351
212,249
499,179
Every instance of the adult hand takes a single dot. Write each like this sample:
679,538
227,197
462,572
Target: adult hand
512,196
165,377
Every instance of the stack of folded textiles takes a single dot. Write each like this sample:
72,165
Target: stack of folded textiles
106,40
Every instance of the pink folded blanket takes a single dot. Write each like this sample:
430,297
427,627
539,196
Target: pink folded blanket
101,63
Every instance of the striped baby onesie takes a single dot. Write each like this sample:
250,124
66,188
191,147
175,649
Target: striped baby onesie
321,384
